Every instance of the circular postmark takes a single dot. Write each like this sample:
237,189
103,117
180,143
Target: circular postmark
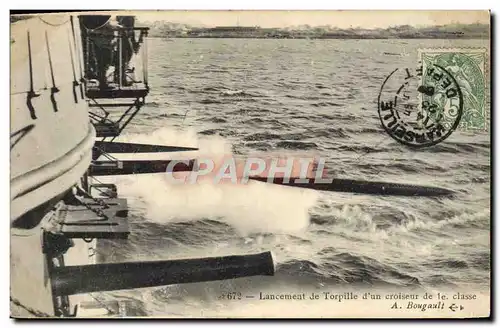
420,107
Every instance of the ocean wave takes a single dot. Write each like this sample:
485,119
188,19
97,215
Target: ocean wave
152,104
441,280
409,168
214,89
480,260
480,179
298,268
264,122
339,117
259,145
351,268
296,145
466,220
207,101
456,148
361,149
449,263
365,130
238,93
244,111
473,167
303,97
326,104
209,132
215,119
263,136
216,70
468,179
391,54
389,223
294,136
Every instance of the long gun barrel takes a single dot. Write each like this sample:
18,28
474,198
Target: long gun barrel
69,280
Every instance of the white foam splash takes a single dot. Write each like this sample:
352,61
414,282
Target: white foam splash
255,207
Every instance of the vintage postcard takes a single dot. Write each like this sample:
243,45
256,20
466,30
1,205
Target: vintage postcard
250,164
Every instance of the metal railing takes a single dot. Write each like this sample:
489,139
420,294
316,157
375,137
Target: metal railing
105,48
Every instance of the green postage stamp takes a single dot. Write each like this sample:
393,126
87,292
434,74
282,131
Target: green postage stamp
469,68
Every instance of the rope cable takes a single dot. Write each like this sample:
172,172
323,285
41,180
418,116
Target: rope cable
97,28
52,24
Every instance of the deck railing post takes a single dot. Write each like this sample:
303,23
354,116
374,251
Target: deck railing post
120,58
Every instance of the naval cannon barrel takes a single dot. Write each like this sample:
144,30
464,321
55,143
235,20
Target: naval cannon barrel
69,280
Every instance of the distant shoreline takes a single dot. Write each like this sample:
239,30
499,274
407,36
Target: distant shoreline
452,32
330,38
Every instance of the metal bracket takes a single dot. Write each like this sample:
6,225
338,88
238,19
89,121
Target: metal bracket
29,103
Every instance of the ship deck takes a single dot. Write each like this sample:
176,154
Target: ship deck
136,90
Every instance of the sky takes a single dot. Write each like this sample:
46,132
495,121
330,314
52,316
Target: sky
342,19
